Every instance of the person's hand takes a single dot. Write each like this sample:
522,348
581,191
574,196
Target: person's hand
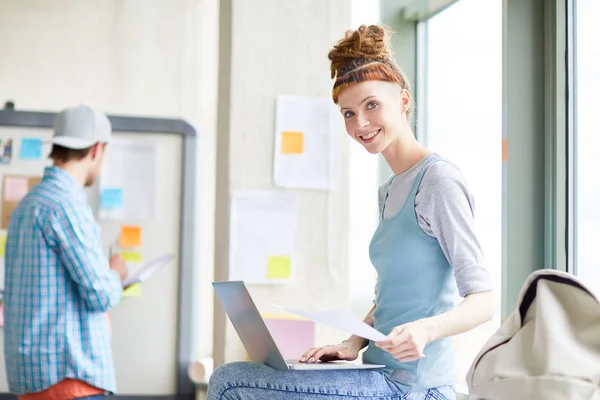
406,342
343,351
119,265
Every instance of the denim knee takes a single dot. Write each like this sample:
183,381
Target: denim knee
222,378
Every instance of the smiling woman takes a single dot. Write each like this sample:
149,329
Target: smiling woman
424,250
379,102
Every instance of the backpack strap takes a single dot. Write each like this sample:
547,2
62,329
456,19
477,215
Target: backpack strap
531,291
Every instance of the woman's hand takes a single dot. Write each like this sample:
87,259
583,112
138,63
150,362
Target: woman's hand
406,342
343,351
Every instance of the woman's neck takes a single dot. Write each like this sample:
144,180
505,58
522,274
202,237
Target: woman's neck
403,153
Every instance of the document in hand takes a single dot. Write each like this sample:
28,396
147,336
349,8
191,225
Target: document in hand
343,320
146,270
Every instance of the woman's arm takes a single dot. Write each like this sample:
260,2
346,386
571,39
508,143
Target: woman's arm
356,341
474,310
407,342
347,350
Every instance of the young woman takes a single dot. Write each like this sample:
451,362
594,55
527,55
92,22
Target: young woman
424,249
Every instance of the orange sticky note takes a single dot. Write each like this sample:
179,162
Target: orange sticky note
292,142
131,236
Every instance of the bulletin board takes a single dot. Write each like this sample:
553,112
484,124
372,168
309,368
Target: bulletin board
153,326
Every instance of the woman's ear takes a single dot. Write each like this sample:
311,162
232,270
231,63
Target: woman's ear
405,100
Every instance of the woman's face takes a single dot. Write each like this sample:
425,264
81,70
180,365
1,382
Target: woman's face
374,113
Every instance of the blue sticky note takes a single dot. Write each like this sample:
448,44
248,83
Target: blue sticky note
111,198
31,149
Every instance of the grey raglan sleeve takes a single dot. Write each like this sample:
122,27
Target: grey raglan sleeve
445,210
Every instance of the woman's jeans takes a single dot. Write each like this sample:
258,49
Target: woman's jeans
249,381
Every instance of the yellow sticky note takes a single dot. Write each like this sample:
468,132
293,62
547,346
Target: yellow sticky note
131,236
2,244
292,142
131,256
279,267
134,290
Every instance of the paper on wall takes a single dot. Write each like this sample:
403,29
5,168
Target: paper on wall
305,153
262,237
14,188
128,180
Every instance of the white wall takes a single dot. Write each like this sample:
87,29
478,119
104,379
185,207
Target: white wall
280,47
160,58
134,57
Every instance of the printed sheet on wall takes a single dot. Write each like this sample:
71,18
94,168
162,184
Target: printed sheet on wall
127,181
306,140
262,237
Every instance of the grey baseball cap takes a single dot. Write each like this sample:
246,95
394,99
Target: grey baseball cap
80,127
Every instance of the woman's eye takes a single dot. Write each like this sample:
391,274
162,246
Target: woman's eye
348,114
371,105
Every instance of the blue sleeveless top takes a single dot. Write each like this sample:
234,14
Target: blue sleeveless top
414,281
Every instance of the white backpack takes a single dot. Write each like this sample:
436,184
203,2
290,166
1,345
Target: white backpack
548,348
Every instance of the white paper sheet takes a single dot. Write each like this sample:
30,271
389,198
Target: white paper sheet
141,272
130,166
343,320
315,166
262,237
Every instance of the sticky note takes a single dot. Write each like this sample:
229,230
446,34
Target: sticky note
134,290
292,142
31,149
111,198
131,256
293,335
131,236
279,267
15,188
2,244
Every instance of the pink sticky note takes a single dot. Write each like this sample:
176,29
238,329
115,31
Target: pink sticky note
293,337
15,188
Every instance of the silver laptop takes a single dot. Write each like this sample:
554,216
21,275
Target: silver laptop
255,335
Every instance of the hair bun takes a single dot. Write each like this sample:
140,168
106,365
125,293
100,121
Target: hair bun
362,46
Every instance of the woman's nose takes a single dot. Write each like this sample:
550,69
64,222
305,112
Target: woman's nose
362,121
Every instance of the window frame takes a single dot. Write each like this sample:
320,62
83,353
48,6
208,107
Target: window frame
539,131
571,66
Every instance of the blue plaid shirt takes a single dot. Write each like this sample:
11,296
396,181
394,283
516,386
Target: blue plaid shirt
58,288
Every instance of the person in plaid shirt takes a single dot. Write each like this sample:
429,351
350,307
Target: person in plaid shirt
59,286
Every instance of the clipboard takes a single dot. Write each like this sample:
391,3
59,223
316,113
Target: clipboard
143,273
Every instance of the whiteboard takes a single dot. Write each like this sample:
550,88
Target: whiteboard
145,328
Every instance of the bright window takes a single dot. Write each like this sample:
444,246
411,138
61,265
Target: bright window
362,197
461,118
587,162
